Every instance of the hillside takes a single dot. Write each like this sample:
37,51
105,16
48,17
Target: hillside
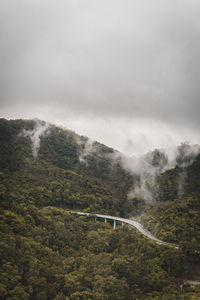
73,173
175,216
48,253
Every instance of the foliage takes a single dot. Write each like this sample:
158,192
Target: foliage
46,252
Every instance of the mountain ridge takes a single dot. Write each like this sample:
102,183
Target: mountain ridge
46,253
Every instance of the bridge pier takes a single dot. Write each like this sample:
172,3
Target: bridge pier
114,224
105,220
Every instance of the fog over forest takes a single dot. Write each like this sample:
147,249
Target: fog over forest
124,73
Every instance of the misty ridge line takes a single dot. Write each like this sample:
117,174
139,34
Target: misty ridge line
84,83
42,129
149,166
146,168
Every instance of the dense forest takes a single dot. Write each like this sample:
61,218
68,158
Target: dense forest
49,253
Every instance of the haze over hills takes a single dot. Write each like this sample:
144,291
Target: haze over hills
122,78
33,141
47,253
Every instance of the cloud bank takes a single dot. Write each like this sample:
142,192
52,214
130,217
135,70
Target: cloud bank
125,73
152,164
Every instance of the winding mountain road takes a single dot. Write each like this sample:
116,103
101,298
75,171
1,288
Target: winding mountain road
135,224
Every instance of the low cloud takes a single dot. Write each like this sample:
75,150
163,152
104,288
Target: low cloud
181,182
85,148
154,163
79,62
40,129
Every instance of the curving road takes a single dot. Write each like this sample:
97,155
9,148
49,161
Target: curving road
135,224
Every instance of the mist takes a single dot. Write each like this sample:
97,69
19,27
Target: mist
40,129
85,147
145,168
123,73
149,166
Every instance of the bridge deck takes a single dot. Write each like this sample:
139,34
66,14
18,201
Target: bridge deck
133,223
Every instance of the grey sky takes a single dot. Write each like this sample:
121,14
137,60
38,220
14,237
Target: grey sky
123,72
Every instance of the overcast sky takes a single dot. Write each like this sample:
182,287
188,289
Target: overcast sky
123,72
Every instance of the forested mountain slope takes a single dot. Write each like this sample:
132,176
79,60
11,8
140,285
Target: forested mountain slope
72,172
48,253
175,217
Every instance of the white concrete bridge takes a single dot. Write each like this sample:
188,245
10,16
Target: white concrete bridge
135,224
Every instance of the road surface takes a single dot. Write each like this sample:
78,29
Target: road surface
135,224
